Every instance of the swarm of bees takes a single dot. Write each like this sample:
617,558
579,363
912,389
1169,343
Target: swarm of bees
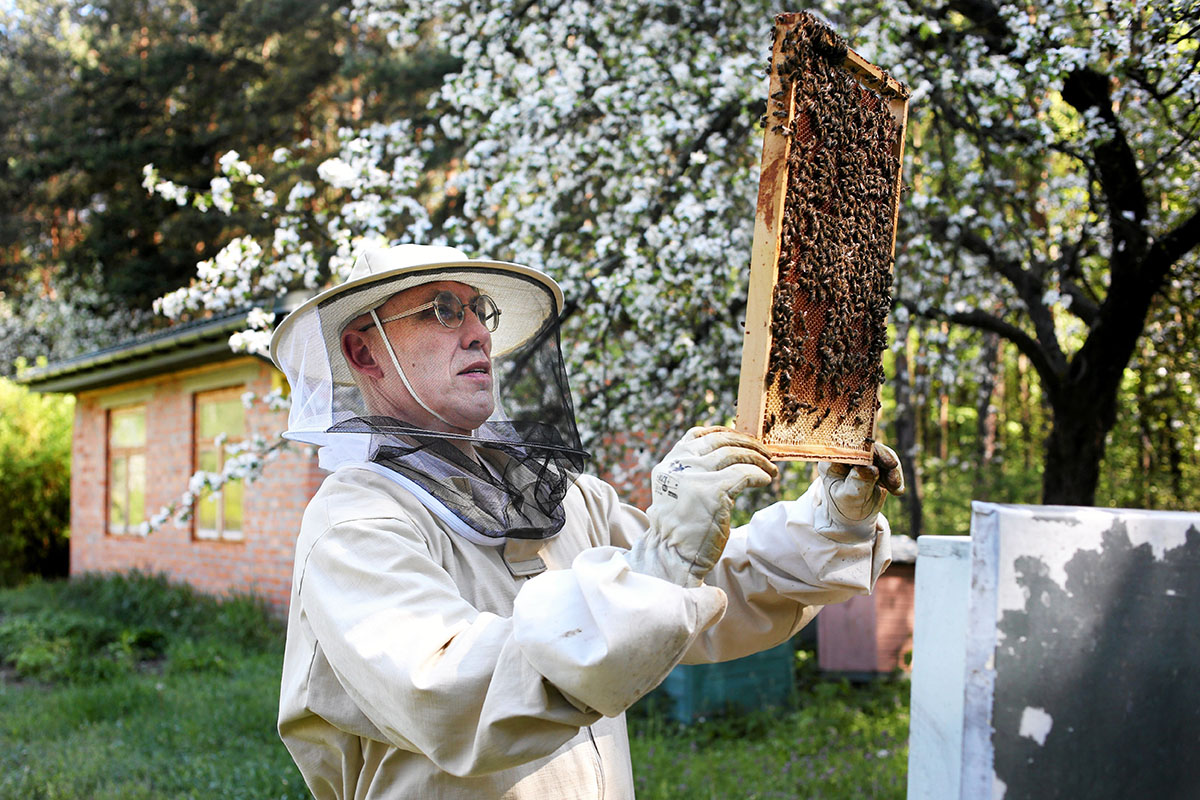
832,292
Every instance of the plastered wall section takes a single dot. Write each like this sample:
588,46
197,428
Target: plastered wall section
273,507
870,633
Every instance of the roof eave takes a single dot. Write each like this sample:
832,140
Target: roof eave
191,346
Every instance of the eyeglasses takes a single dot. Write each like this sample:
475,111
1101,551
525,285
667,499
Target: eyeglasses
449,311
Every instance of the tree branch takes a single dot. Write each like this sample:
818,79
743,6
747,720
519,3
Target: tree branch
981,320
1029,289
1116,169
989,25
1084,303
1082,306
1177,243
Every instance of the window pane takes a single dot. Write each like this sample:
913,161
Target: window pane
220,415
137,489
219,412
128,427
233,491
118,514
206,459
206,506
206,511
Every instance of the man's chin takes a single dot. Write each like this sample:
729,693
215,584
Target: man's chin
470,421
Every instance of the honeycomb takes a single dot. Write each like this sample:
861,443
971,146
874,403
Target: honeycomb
832,269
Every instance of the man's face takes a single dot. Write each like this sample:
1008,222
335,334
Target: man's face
450,369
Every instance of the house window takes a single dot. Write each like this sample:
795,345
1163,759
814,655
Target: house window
126,469
220,422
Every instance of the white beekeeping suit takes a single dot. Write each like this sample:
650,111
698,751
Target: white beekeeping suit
434,652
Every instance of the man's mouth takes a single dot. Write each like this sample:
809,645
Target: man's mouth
477,368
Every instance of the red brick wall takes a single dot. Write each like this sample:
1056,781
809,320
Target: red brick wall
261,563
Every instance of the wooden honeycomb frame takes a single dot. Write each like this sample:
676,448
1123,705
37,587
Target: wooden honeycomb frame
845,432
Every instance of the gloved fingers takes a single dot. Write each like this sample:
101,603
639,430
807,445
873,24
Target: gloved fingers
712,437
729,455
825,468
856,491
891,474
743,475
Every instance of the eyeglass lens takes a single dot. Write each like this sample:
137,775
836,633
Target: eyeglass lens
449,310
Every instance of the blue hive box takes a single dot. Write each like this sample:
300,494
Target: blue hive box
752,683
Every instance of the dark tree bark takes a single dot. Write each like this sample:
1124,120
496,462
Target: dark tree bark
985,412
904,428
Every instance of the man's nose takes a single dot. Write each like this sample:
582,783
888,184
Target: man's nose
473,333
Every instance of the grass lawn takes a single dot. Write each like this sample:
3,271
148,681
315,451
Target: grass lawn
130,688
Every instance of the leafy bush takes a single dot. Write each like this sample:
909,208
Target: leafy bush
97,626
54,645
35,471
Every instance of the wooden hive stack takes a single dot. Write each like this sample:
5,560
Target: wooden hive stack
824,243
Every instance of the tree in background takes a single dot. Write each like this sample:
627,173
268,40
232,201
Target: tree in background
1051,168
1054,198
94,90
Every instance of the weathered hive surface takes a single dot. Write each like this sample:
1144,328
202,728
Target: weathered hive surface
823,248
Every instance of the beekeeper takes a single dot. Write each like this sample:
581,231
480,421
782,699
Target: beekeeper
470,613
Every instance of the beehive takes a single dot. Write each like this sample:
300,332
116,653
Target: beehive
824,242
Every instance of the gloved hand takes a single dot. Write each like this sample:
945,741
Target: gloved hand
693,491
851,496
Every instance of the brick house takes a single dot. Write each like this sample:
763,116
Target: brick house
147,414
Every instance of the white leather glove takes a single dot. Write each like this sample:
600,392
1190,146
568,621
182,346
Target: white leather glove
693,491
851,496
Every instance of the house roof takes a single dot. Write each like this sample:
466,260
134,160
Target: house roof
178,347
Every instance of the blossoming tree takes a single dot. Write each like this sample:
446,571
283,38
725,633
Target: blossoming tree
1051,188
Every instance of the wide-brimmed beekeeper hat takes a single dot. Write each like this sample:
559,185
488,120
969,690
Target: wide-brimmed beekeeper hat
306,346
380,273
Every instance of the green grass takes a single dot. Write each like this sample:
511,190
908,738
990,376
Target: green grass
839,741
129,687
199,735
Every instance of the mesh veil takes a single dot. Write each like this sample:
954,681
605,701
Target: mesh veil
507,477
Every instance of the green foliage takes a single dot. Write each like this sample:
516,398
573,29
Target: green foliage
35,471
149,737
1153,454
97,89
97,627
133,687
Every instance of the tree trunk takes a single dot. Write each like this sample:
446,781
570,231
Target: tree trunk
905,427
1084,412
985,411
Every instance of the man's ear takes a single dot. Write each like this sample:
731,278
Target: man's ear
358,355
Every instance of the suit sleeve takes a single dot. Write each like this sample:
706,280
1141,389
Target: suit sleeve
776,572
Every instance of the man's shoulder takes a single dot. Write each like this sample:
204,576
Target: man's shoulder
593,497
592,489
355,493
